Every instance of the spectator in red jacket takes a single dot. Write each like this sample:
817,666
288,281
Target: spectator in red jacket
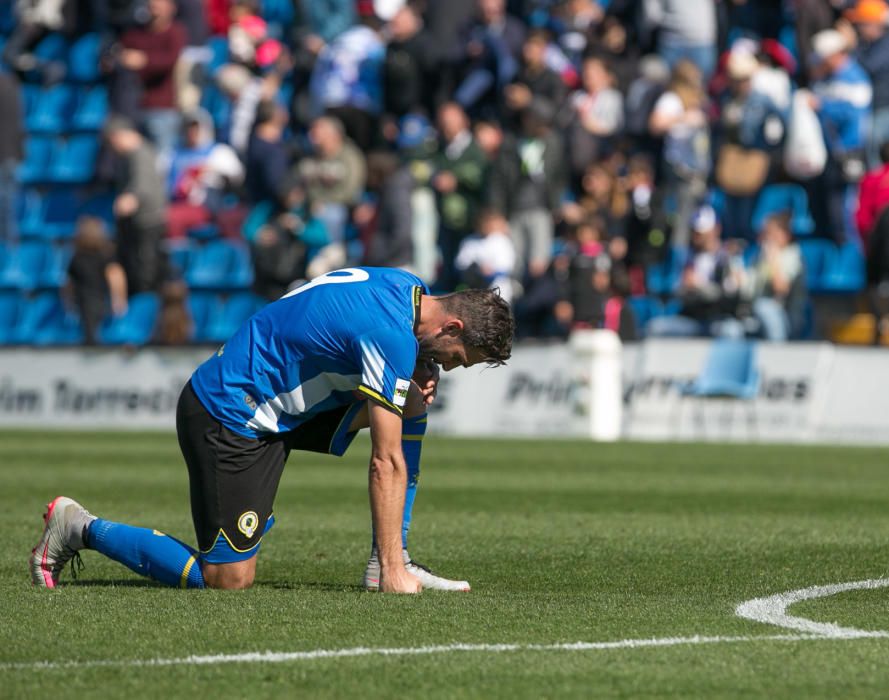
151,52
873,196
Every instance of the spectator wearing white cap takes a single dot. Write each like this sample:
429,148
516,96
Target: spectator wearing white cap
842,97
747,135
709,286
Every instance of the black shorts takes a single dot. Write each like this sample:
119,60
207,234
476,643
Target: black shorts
233,479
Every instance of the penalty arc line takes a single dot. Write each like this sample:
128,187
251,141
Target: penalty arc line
770,610
773,609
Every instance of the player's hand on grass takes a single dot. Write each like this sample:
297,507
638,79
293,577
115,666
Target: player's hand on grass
398,580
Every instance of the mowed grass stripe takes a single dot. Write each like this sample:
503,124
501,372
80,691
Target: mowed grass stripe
563,542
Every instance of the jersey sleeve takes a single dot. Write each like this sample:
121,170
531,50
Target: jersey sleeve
388,357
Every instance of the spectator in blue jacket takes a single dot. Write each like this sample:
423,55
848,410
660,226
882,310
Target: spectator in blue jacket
487,57
869,18
267,157
842,96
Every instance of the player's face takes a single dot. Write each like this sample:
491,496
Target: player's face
448,353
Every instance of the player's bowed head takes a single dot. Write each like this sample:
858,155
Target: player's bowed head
465,328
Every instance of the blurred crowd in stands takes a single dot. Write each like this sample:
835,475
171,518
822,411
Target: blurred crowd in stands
655,167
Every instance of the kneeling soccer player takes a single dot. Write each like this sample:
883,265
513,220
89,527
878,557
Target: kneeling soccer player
354,348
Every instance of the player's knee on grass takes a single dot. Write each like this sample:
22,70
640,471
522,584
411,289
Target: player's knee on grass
234,576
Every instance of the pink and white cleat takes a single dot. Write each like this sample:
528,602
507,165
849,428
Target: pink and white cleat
65,522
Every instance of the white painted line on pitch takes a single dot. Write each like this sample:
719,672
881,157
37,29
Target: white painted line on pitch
773,610
282,657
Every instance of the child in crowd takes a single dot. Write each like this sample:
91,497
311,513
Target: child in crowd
487,259
283,243
96,281
174,324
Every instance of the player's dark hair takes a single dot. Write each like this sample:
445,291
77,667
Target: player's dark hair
488,325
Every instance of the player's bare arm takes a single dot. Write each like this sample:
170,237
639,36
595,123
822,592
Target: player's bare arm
387,479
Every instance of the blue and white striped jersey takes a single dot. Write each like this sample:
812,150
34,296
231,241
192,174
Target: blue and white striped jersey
306,353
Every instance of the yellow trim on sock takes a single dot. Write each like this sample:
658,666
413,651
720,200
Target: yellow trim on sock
412,437
183,581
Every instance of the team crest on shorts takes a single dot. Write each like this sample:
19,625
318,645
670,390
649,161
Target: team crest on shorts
247,523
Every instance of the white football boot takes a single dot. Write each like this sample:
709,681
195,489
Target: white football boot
65,522
427,578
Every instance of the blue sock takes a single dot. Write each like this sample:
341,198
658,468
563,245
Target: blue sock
147,552
412,432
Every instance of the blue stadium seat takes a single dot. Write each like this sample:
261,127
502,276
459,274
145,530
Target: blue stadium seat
63,329
50,59
74,159
46,321
25,265
83,59
203,307
179,254
230,315
644,309
221,265
55,271
60,214
136,326
53,47
730,370
7,18
716,199
35,167
30,98
671,307
816,254
12,304
39,313
844,271
91,110
780,198
100,205
31,213
51,110
661,278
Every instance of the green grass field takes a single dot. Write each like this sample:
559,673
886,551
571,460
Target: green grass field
563,542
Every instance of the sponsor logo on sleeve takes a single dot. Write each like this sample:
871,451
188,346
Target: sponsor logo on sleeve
399,397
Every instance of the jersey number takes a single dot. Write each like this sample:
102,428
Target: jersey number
349,274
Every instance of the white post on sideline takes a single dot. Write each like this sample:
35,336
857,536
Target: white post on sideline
597,365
